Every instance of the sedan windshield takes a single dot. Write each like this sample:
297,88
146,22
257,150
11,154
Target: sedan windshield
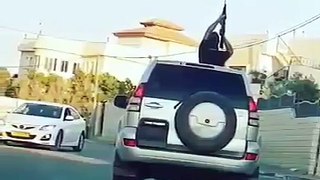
41,110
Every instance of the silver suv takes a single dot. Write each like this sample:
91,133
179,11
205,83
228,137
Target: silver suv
195,117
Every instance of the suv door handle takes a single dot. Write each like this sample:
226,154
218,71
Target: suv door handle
154,105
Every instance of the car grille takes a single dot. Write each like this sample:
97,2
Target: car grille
9,134
23,127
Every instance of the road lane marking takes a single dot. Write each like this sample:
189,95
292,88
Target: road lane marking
61,155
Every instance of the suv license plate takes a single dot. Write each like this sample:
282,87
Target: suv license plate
152,134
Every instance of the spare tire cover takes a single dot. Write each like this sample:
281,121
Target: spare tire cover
192,140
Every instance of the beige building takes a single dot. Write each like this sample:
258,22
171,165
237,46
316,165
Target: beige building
246,57
158,37
58,56
305,55
133,50
307,50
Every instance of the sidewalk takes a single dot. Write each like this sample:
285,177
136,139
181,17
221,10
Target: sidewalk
275,171
102,139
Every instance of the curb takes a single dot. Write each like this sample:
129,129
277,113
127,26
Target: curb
101,140
288,176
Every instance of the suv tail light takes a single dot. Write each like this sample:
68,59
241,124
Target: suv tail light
253,113
136,100
129,142
251,157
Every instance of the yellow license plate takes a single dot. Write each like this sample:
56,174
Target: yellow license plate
20,134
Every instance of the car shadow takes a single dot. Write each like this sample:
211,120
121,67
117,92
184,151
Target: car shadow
36,146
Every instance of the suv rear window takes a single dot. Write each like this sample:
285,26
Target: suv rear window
178,82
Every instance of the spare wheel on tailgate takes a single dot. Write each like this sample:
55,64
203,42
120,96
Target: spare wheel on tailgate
206,122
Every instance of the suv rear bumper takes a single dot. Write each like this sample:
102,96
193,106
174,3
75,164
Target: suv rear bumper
136,154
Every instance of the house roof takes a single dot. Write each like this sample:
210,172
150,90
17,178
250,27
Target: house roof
62,45
161,30
162,23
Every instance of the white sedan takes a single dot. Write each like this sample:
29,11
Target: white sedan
50,124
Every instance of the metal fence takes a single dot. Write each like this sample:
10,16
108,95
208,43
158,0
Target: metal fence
302,109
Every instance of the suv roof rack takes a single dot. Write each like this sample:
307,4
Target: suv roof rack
186,63
200,65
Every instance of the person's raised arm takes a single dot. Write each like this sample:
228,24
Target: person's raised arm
213,27
229,47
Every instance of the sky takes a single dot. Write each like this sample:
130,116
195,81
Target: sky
95,20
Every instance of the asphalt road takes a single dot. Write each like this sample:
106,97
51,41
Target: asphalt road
93,163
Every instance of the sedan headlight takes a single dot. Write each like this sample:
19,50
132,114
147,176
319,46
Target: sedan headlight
47,127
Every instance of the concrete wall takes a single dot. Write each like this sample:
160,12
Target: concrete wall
111,119
8,104
287,141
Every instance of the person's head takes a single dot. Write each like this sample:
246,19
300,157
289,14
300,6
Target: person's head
214,40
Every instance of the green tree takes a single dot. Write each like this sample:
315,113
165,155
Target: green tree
53,88
80,92
304,88
12,89
77,91
37,86
109,87
258,77
126,87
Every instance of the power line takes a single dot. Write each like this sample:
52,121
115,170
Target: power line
282,33
176,54
289,48
16,30
15,66
121,57
246,45
44,35
278,35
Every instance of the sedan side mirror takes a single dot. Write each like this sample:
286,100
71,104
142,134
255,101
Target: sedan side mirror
121,101
69,118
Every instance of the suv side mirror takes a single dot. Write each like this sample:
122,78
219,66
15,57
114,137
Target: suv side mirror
69,118
121,101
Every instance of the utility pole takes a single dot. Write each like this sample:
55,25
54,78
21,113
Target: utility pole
40,29
96,83
277,46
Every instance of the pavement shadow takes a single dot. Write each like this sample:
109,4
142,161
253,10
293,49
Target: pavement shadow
35,146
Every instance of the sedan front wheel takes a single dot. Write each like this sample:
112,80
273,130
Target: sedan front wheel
58,142
81,142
